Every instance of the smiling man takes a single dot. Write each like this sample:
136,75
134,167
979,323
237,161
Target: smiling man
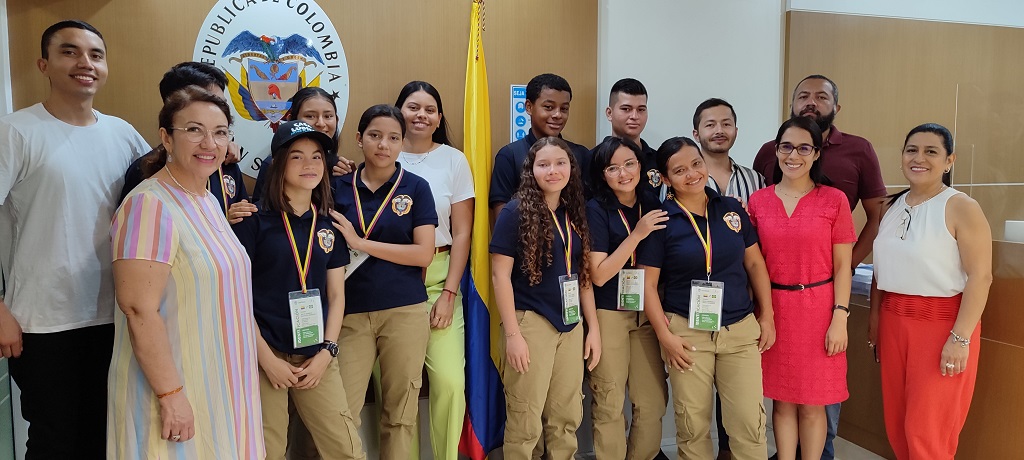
60,174
547,101
714,126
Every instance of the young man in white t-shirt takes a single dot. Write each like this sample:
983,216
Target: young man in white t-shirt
61,166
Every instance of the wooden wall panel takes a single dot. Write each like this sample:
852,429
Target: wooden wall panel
894,74
387,43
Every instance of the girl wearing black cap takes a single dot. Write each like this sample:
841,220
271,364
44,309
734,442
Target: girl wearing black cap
298,270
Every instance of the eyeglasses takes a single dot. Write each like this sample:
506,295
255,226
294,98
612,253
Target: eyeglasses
615,170
904,228
786,148
198,133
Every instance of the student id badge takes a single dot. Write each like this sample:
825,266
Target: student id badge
307,318
570,287
355,259
706,305
631,290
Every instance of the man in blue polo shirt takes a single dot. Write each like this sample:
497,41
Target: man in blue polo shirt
627,112
547,101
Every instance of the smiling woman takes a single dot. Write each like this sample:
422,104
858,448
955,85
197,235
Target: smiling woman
933,267
542,287
806,369
708,250
184,345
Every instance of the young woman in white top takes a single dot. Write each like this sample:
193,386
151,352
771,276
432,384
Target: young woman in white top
933,269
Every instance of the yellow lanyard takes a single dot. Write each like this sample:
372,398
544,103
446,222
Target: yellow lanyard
302,267
566,242
223,189
376,216
622,215
706,243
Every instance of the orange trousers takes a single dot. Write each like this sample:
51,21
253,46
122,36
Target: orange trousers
924,411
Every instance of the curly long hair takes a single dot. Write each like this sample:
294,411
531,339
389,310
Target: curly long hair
536,231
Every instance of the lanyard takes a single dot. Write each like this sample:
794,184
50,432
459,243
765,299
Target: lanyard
706,243
367,228
566,242
622,215
302,267
223,188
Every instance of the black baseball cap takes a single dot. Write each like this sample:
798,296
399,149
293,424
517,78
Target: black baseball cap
289,131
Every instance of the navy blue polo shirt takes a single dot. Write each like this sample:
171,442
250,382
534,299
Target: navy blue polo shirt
508,165
378,284
680,255
264,173
232,181
544,298
650,178
607,232
274,273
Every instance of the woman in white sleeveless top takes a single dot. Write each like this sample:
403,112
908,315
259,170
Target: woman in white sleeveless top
933,269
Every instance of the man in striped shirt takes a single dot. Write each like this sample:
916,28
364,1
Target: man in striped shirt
714,127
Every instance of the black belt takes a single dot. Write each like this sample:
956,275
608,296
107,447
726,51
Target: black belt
799,287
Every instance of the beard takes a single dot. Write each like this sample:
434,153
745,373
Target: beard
824,122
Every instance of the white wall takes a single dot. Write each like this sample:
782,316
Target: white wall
1008,13
685,51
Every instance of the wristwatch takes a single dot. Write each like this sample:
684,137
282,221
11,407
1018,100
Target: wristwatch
331,347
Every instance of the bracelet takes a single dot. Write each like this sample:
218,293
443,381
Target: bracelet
840,307
164,395
449,291
507,335
963,341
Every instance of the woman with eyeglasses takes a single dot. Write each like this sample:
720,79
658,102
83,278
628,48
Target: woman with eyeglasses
933,268
806,232
184,381
710,329
621,215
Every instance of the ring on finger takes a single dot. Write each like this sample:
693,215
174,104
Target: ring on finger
176,438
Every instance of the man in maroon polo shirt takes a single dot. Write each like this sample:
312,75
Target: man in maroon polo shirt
852,165
848,160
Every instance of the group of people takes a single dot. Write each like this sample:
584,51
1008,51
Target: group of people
251,326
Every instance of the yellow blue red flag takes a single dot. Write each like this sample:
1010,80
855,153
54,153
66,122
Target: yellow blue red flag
484,427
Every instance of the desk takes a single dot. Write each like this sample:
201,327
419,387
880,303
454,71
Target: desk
995,425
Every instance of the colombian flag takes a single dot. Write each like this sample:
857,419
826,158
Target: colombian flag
484,428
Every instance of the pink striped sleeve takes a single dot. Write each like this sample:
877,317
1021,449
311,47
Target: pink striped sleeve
143,229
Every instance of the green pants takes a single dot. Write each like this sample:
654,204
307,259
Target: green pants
446,371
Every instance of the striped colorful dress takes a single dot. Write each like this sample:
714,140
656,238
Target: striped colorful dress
207,311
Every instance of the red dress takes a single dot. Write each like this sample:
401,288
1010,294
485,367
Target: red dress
798,250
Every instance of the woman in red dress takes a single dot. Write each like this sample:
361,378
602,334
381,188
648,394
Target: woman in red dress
806,233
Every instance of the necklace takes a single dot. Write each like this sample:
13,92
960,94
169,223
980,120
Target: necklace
193,194
909,206
795,196
195,200
422,157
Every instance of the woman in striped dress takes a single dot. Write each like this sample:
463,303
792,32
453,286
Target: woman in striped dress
183,378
